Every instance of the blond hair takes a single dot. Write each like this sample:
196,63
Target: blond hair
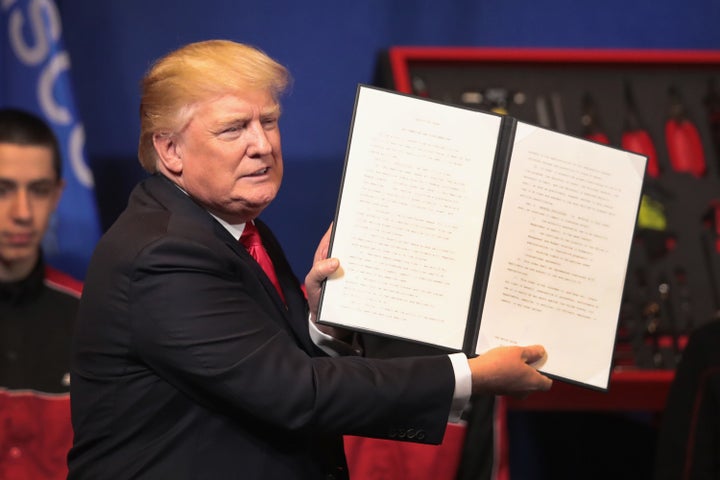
197,72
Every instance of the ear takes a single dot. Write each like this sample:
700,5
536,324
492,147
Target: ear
169,152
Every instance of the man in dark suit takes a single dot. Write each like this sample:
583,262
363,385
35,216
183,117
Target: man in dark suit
190,359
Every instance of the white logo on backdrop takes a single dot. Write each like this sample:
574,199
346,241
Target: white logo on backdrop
39,12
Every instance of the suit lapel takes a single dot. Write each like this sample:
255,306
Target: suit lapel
294,315
259,273
293,311
294,296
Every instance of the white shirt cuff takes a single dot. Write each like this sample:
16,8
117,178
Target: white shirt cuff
463,386
329,344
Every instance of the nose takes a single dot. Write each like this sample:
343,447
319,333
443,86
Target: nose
21,206
259,144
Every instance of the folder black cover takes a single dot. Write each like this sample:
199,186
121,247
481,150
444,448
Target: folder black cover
467,230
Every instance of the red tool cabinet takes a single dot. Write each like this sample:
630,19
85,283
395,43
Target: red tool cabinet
664,101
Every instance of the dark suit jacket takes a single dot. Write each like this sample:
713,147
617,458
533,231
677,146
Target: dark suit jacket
187,364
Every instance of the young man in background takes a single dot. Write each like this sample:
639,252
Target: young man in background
37,306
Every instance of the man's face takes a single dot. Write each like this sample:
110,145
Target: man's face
29,193
231,155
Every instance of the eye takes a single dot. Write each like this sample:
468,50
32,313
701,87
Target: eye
41,190
233,128
5,189
269,123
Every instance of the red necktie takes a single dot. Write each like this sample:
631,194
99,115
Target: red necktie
250,238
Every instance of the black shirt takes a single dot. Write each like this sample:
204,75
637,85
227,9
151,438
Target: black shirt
36,321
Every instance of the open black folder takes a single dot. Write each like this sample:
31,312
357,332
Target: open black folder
468,230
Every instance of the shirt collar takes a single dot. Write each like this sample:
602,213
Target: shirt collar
25,289
234,229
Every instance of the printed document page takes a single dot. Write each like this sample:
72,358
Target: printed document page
410,217
561,253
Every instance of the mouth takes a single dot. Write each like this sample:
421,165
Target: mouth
259,173
18,239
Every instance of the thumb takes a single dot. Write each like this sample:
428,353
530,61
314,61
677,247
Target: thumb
533,353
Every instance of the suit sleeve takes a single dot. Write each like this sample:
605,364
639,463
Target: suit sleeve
203,323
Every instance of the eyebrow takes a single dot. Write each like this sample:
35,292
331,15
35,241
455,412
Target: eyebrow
38,181
275,110
244,117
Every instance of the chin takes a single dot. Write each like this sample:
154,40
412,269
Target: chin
263,200
17,255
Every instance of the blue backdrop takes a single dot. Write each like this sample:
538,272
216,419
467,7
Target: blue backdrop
329,46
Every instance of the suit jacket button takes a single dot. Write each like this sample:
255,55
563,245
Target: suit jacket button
420,435
401,433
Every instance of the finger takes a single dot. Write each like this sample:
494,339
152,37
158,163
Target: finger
546,385
328,266
543,384
322,269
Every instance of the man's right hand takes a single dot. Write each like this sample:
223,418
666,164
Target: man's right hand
508,371
322,268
